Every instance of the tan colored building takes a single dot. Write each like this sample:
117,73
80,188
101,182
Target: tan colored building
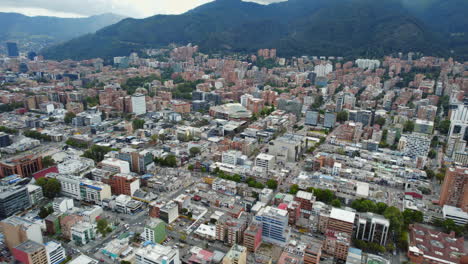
341,221
30,252
18,230
454,190
313,252
236,255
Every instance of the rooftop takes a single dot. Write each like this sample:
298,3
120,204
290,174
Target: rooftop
30,247
343,215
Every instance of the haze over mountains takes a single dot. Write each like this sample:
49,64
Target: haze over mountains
33,33
296,27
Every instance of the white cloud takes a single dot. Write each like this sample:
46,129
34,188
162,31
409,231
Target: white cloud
76,8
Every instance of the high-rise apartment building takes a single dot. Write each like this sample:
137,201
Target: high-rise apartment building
274,222
253,237
454,190
12,49
124,184
372,227
139,104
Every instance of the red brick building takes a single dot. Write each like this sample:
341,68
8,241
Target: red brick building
24,166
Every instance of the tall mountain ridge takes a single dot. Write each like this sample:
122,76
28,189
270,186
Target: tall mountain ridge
40,31
295,27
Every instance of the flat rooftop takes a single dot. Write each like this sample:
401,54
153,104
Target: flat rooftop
342,215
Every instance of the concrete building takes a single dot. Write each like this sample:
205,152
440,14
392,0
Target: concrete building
35,194
95,192
459,121
329,120
288,148
13,199
138,104
454,190
290,106
236,255
18,230
313,252
157,254
253,237
62,204
456,214
155,231
30,252
169,212
274,223
83,259
55,252
306,200
265,161
312,118
124,184
70,185
231,157
372,227
115,165
83,232
341,221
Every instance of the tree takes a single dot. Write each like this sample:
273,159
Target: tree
97,152
440,177
50,187
430,174
294,189
194,151
380,121
336,203
444,127
411,216
68,117
190,167
154,138
47,161
102,226
272,184
409,126
342,116
138,124
45,211
432,154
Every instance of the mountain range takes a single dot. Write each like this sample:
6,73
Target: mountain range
296,27
33,33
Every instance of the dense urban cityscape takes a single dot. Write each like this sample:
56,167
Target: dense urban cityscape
172,155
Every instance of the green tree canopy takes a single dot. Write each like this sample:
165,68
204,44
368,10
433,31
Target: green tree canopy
68,117
272,184
50,187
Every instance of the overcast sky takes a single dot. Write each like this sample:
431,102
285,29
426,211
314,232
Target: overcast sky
82,8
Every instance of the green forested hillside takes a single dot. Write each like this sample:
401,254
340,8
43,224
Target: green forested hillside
295,27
